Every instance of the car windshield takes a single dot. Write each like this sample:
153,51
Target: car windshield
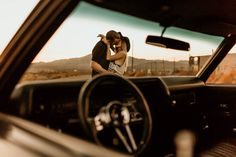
68,53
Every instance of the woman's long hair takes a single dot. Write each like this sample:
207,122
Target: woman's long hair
125,43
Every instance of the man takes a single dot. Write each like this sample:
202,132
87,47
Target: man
99,63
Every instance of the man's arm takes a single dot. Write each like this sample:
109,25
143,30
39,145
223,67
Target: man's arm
97,67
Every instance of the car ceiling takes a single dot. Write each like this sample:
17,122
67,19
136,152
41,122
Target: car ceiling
215,17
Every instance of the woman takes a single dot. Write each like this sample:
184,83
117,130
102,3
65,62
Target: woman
119,60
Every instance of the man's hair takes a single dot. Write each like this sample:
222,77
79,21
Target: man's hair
112,35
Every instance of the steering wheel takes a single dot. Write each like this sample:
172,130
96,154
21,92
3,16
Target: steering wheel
114,112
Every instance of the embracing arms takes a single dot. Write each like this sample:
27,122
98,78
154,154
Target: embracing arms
116,56
97,67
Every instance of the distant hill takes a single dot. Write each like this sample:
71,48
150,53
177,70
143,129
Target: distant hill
72,64
82,64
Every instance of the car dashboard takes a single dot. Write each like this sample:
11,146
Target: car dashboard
176,103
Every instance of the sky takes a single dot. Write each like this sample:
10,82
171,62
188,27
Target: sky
12,15
78,34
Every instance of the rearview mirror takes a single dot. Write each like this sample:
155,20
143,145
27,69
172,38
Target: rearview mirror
167,43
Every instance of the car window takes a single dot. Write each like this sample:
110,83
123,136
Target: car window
68,53
225,71
12,15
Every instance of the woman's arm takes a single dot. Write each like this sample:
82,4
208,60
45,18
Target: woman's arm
116,56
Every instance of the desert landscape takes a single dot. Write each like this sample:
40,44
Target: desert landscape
79,68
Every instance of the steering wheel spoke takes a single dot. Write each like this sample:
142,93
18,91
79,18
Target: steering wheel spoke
123,140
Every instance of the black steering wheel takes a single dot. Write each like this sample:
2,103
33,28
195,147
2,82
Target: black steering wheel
115,114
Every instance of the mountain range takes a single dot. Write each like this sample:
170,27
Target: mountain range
82,65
